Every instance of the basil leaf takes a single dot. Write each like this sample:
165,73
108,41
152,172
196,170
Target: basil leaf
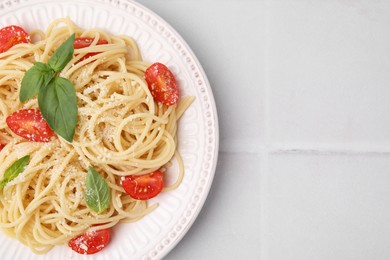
37,76
97,194
58,104
14,170
3,183
62,55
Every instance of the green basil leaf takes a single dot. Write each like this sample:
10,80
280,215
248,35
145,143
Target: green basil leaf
14,170
58,104
37,76
3,183
62,55
97,194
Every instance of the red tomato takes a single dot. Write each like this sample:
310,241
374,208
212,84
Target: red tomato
82,42
90,242
29,124
162,84
1,146
144,187
12,35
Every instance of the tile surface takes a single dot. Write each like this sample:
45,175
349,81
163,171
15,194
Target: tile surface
318,206
302,92
329,84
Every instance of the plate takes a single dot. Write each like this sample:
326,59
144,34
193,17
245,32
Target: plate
156,234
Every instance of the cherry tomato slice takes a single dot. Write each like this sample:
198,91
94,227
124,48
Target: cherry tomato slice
90,242
12,35
29,124
82,42
162,84
144,187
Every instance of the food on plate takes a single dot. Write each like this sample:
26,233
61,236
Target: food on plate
87,135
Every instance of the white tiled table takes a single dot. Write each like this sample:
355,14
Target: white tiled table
303,95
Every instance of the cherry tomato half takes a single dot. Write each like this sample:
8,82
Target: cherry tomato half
162,84
90,242
29,124
12,35
82,42
144,187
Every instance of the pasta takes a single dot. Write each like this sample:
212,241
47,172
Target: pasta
121,131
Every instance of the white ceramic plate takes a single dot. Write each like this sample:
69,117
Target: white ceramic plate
156,234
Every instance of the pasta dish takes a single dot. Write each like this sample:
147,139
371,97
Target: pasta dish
87,133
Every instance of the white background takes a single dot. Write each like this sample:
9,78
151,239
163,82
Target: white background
303,95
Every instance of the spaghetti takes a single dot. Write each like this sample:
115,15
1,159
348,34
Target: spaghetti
121,131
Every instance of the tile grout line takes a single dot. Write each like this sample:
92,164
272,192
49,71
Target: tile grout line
274,149
327,150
